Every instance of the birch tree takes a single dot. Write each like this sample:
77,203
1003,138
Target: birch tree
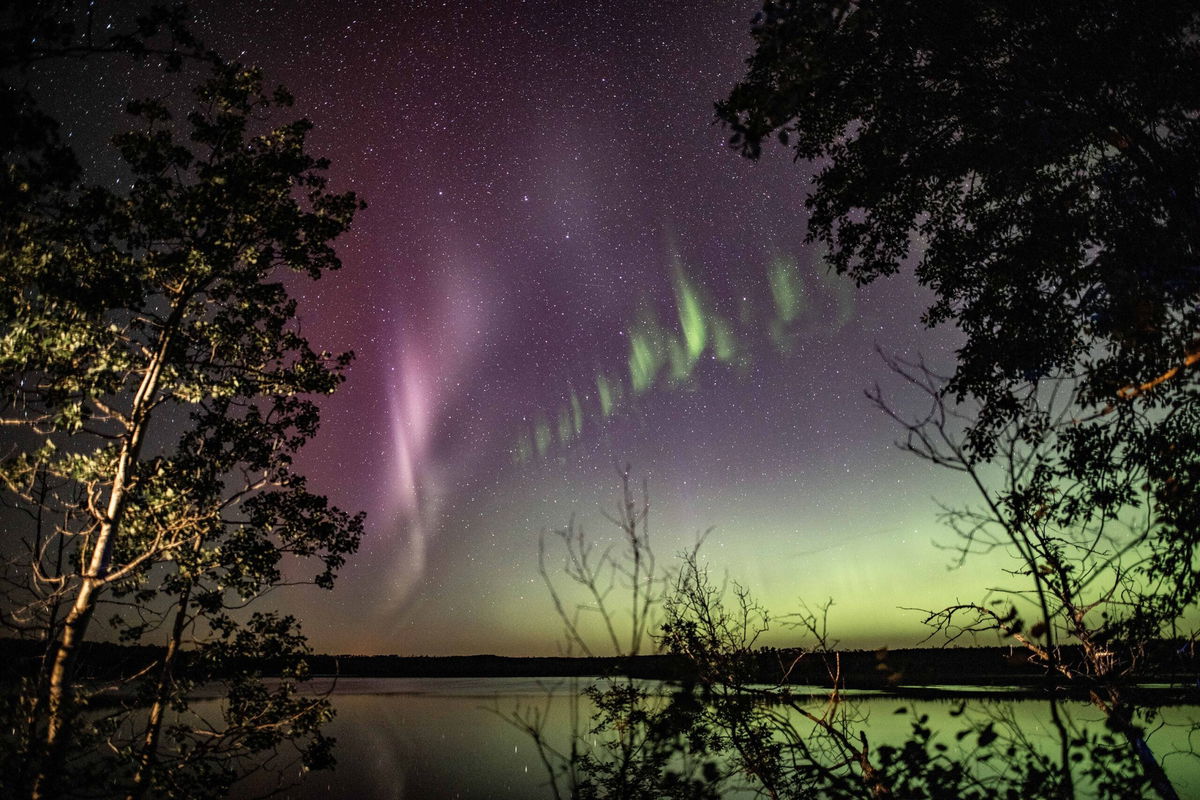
155,389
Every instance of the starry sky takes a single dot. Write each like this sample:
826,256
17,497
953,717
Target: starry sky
563,268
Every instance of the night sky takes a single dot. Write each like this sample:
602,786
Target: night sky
562,268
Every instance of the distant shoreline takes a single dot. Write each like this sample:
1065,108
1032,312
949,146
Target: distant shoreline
1170,667
1157,695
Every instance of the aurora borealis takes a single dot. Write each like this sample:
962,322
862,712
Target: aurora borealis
563,268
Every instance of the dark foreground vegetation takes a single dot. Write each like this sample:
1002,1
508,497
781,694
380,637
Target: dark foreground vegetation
154,390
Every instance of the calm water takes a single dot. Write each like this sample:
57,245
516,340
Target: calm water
442,738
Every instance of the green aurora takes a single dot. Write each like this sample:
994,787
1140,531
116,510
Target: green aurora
665,356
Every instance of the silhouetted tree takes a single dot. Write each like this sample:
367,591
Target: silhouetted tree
154,388
622,585
1078,578
718,729
1037,165
1037,162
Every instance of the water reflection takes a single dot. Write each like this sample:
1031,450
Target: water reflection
443,738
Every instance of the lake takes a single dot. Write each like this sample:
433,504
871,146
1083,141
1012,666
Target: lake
444,738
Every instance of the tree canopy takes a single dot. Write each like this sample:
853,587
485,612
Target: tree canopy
1037,162
1038,166
155,386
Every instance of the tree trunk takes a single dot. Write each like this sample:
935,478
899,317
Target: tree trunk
60,694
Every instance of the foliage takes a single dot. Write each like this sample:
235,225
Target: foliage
717,731
156,387
636,751
1082,580
1037,163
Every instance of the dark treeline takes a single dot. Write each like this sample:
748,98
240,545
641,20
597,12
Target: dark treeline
1166,662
